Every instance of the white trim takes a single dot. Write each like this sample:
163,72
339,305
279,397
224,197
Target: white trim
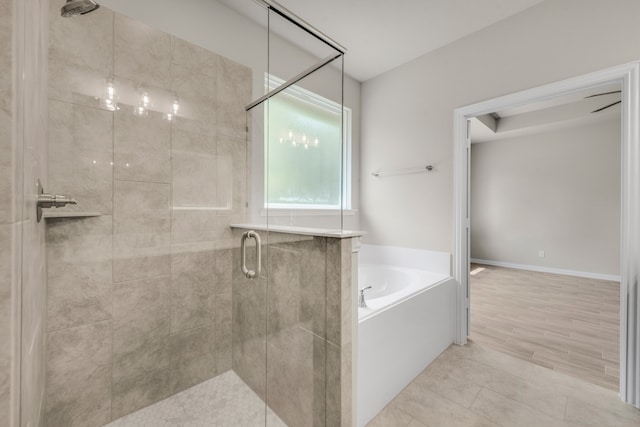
301,94
310,211
575,273
629,76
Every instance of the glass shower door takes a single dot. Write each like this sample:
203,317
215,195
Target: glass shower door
301,196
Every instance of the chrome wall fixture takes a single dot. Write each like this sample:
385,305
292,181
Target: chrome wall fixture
250,274
427,168
361,302
78,7
46,201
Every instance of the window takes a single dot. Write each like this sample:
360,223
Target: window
306,165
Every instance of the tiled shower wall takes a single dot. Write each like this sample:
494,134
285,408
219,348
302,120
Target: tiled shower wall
9,218
23,51
139,298
296,327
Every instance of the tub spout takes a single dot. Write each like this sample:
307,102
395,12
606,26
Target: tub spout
361,302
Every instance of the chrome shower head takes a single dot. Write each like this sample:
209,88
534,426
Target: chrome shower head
78,7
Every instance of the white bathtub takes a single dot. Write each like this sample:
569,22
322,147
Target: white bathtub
408,323
391,285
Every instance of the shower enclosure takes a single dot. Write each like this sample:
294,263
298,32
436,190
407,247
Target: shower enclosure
204,276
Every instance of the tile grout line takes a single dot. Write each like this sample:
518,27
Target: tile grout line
113,222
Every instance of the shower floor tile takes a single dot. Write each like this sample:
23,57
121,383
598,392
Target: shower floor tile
223,401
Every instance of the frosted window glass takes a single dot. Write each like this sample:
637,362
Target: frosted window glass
304,153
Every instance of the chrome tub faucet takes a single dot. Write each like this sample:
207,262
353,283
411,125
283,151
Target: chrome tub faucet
361,302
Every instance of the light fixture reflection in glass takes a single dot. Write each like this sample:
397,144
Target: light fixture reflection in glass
300,140
142,109
108,99
175,107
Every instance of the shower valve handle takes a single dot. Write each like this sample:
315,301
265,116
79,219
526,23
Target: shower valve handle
47,200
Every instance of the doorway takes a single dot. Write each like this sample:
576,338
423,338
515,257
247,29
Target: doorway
545,221
626,75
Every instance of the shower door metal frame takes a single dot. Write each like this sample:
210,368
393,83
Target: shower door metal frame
301,23
310,29
295,79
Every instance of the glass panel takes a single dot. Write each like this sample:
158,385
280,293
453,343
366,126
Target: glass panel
28,158
302,185
306,145
286,59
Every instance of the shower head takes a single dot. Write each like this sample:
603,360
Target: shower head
78,7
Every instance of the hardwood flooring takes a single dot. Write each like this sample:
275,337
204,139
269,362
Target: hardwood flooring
568,324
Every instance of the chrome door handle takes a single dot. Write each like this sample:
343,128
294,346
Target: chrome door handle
250,274
46,201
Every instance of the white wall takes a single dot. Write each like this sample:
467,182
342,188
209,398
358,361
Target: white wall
224,31
407,113
556,191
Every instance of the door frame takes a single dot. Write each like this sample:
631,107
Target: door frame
629,77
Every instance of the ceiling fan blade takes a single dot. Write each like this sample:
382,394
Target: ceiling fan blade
604,93
606,106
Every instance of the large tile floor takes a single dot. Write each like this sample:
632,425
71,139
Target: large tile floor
223,401
475,386
568,324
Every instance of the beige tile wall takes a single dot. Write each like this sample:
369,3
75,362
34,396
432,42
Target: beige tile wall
140,301
292,328
8,221
23,50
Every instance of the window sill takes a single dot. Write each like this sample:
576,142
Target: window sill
306,212
304,231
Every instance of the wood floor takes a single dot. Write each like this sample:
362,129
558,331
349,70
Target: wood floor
565,323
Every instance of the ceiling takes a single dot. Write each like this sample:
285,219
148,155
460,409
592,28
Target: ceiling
555,113
380,34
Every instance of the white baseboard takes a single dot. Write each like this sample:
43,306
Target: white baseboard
585,274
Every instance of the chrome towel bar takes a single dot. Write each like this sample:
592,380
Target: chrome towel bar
427,168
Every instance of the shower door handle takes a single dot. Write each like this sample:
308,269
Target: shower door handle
250,274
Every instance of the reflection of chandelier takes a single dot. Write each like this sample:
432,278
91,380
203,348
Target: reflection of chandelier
139,98
108,100
300,140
